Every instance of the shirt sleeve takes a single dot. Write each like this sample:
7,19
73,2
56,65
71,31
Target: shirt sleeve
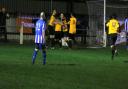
107,24
117,24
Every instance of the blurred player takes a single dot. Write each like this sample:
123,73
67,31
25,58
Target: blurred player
126,30
58,32
113,27
72,29
65,38
40,38
51,26
64,25
3,16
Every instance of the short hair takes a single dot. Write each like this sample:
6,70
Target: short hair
42,15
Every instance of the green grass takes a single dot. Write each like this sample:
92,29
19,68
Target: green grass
65,69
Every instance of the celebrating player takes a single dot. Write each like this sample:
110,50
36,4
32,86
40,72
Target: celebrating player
65,38
40,38
51,29
58,32
64,25
113,27
72,29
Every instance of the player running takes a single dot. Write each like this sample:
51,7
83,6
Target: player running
40,38
113,28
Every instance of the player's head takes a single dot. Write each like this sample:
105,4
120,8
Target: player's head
72,15
57,16
3,9
62,15
42,15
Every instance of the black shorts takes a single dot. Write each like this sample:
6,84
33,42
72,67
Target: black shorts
112,38
71,36
127,38
65,34
127,35
51,30
58,35
40,46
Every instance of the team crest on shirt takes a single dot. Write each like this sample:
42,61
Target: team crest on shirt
113,24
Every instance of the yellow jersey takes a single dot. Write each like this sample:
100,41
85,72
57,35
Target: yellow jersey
64,26
58,26
113,26
72,29
52,19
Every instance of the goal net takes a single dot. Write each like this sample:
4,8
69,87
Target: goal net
99,15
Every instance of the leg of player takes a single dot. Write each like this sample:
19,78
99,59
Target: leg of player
113,51
34,55
44,54
58,38
73,38
52,41
70,41
113,46
126,41
44,57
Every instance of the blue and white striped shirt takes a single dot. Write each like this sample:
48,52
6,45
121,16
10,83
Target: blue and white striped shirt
40,28
126,25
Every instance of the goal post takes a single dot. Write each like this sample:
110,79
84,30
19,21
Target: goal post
104,33
96,32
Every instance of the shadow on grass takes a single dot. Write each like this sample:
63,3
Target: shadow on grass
65,64
126,61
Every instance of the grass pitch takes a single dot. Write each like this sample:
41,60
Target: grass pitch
65,69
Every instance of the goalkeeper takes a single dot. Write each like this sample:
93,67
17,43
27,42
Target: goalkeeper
40,38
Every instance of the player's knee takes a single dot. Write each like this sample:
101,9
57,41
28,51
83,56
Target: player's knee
52,36
36,49
112,46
